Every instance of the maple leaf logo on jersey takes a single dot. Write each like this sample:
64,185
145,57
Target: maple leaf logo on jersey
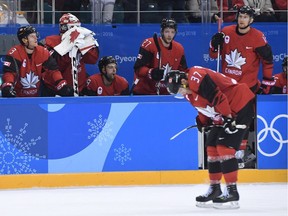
30,81
207,111
73,36
234,59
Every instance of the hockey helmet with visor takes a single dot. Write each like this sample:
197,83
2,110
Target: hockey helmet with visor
173,81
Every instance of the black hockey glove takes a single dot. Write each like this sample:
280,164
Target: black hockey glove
230,125
217,40
8,91
64,90
215,17
266,85
156,74
201,127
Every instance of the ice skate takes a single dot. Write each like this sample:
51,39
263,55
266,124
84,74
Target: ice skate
205,200
228,200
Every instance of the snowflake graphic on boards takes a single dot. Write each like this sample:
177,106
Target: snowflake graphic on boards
100,128
14,151
122,154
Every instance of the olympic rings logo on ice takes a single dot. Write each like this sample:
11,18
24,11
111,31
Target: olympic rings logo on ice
276,135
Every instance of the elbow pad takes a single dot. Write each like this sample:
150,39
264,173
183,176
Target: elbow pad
266,53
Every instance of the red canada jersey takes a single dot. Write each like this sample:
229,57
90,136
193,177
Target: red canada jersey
241,55
281,82
119,86
65,65
171,58
215,94
26,71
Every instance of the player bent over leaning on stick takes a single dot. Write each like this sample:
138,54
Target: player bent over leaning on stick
228,107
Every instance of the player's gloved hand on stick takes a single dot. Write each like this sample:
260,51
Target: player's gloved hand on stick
218,120
217,40
8,90
64,90
215,17
266,85
202,127
156,74
230,125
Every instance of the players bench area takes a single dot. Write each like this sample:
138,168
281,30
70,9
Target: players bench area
125,140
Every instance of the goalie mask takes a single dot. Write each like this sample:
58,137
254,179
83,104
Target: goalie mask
24,31
173,81
68,21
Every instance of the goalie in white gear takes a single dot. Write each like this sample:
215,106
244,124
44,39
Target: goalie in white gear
74,47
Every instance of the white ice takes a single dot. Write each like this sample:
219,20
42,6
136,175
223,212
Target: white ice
165,200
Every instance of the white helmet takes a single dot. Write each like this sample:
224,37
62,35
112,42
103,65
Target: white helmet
68,21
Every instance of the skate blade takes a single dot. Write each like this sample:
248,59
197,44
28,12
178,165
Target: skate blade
208,204
227,205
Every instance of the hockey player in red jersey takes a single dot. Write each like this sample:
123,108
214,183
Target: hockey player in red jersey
242,49
63,50
25,64
107,82
156,56
228,106
281,83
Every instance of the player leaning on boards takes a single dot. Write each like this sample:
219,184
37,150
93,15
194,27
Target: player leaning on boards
156,56
25,64
74,47
107,82
228,106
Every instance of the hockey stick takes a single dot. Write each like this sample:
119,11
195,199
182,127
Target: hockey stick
218,51
185,129
75,62
155,38
133,86
193,126
17,71
220,20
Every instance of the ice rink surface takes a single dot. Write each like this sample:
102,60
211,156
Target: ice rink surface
165,200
